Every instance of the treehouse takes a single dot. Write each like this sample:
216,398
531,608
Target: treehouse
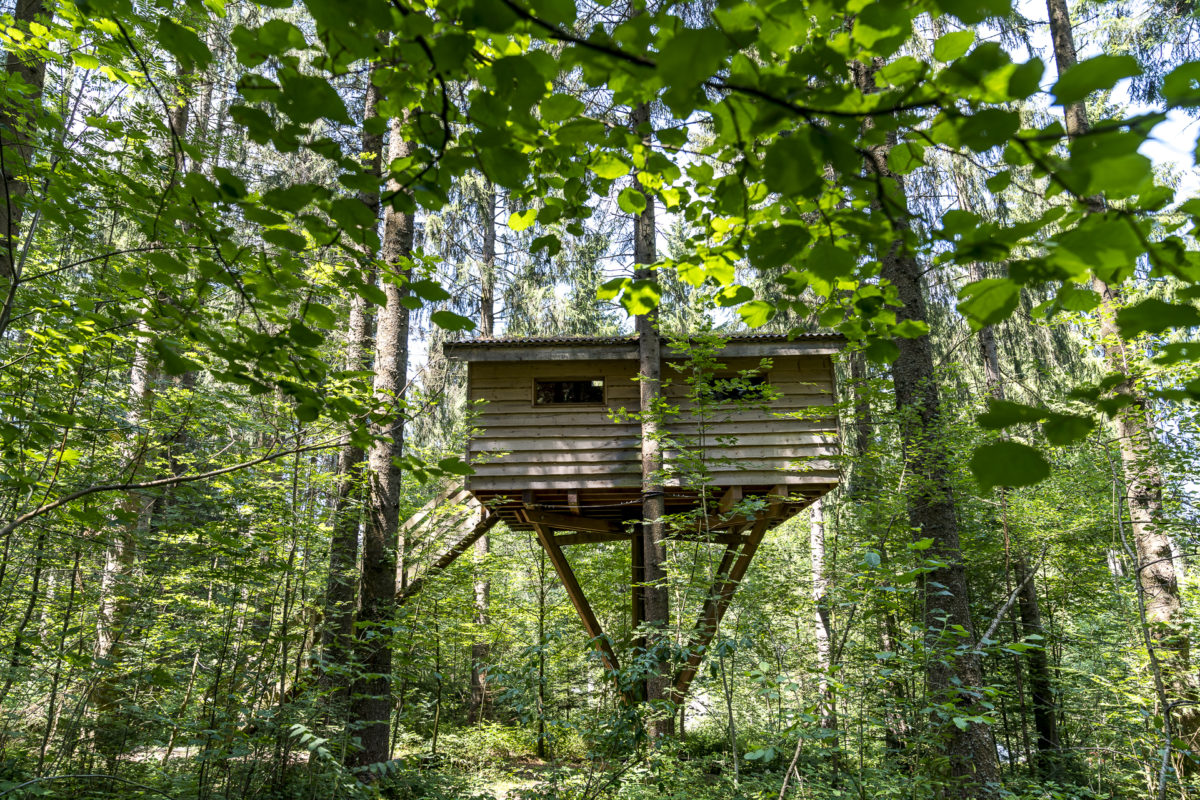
747,434
558,427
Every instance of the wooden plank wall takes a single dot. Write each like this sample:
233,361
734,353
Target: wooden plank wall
521,446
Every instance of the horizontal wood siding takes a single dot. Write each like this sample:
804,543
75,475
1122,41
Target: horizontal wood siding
521,446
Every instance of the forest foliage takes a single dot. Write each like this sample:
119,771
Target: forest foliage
234,236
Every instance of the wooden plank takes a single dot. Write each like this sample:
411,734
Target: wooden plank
568,442
447,558
729,576
565,470
463,351
825,480
534,429
577,597
727,539
571,522
424,511
731,497
589,537
536,456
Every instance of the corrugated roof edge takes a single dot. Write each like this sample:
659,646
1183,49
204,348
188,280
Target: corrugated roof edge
541,341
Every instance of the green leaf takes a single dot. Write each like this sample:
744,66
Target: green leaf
792,168
1065,429
906,157
307,98
756,313
174,362
520,220
1008,464
953,45
631,201
451,321
641,297
85,60
609,167
560,107
1155,316
188,48
430,291
1004,413
1181,86
1093,75
988,301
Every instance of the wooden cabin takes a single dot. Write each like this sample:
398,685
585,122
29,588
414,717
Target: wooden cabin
557,449
556,429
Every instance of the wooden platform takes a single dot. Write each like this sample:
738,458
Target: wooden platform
612,512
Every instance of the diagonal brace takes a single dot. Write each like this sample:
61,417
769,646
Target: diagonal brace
578,598
729,575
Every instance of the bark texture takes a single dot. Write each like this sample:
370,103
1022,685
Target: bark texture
341,590
1045,715
480,650
383,552
1157,573
26,76
951,677
657,610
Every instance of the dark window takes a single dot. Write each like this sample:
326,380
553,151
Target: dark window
737,389
556,393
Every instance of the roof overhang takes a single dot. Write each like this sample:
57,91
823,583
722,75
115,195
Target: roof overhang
620,348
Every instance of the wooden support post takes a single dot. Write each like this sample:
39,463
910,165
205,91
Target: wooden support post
577,597
729,576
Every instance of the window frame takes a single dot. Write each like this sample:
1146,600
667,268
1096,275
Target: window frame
734,374
533,394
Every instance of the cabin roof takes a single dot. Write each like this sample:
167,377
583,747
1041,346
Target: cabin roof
571,348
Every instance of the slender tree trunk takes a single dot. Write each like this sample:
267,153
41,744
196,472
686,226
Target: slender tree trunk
1157,572
1045,712
383,552
120,556
337,637
822,632
657,608
16,147
951,676
480,651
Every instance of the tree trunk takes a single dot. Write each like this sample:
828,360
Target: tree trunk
951,677
1044,712
16,143
822,625
657,609
337,637
383,553
480,651
120,555
1157,574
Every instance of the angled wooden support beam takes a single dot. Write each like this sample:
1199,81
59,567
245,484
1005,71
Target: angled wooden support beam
732,496
733,568
586,537
456,549
574,522
576,595
724,537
